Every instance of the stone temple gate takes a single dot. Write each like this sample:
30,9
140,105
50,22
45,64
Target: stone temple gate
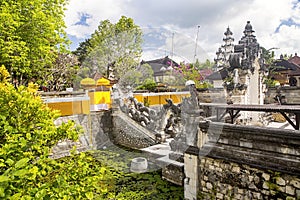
242,70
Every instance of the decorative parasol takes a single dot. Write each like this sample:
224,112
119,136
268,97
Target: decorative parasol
88,83
101,83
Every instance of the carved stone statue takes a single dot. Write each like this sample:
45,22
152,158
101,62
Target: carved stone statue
138,112
190,118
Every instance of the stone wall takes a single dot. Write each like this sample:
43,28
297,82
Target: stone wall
173,173
220,179
102,129
96,128
291,94
245,162
266,147
212,95
217,95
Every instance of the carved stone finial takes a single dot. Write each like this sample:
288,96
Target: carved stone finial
228,32
248,29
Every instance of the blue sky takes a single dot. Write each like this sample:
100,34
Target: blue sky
276,23
83,17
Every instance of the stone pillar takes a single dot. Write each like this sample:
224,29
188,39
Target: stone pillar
191,173
254,90
191,127
202,136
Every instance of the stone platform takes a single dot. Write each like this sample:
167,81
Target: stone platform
172,170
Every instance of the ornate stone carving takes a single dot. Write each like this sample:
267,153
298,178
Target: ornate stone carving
191,115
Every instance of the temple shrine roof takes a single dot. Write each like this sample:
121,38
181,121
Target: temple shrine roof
295,59
284,65
162,63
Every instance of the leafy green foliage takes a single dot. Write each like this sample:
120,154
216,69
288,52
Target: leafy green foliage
148,84
4,75
270,82
113,48
31,35
82,50
268,56
140,78
63,73
135,186
27,134
205,85
190,72
269,59
206,65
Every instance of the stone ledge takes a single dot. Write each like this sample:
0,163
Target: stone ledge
268,148
255,158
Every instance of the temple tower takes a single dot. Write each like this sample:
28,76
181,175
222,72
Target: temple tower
228,46
225,50
246,72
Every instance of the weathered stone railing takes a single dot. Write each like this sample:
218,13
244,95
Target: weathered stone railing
268,148
129,133
243,162
105,128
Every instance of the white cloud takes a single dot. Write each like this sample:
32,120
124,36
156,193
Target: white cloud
98,10
295,13
287,40
183,17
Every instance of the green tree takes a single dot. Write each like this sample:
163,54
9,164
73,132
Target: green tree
32,32
142,75
206,65
190,72
269,59
114,48
268,56
63,73
27,133
82,51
